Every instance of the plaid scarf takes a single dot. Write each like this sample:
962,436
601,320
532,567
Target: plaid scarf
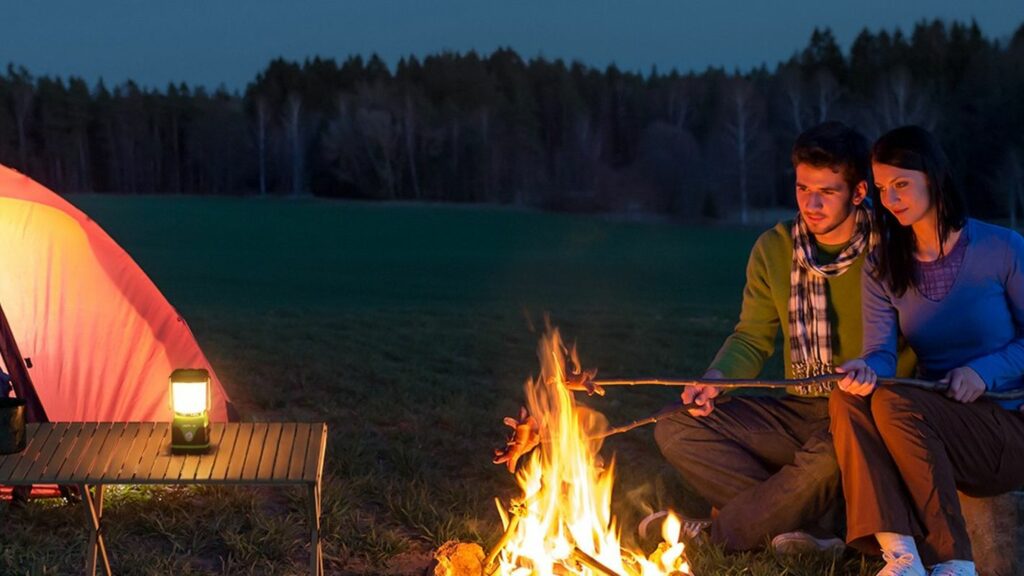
810,333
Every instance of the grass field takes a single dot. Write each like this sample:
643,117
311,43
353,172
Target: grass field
410,330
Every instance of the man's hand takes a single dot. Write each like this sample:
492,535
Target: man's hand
859,379
702,395
964,384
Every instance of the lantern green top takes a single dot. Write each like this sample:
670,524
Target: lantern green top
190,375
765,309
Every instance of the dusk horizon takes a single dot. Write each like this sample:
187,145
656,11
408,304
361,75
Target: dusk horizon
211,46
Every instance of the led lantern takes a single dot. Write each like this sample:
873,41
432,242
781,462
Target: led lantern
190,401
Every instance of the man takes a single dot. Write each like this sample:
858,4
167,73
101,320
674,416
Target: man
767,463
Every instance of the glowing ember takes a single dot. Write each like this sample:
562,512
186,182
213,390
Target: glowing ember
562,524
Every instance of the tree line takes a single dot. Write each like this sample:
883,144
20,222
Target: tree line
497,128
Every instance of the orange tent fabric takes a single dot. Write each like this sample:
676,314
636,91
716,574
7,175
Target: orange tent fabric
101,338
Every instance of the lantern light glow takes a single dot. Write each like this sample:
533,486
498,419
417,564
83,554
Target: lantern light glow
189,397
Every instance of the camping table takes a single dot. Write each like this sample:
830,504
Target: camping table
91,455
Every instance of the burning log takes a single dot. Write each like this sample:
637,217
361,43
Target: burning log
590,562
515,513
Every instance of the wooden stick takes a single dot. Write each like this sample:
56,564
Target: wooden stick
651,419
591,562
595,386
513,525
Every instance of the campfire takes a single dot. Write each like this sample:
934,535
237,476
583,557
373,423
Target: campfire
562,522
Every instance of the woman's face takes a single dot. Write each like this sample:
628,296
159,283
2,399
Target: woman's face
904,193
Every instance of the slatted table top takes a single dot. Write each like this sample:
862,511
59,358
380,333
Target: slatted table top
140,453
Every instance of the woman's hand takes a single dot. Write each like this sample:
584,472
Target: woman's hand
964,384
859,379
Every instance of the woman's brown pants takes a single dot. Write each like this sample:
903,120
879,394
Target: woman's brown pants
904,453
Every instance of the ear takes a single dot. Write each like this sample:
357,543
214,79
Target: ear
860,193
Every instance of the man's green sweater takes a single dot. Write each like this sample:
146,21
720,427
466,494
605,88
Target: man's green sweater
766,308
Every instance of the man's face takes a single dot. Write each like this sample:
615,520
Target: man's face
827,203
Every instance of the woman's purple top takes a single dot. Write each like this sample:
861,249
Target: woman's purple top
978,323
935,278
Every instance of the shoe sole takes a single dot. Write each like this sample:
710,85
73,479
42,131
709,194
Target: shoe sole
656,516
804,546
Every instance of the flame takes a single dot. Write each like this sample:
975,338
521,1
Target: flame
563,521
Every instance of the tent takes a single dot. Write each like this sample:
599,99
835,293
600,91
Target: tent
98,337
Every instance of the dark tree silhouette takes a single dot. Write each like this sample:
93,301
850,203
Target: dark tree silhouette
499,129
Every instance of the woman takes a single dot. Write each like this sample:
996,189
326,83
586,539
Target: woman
954,287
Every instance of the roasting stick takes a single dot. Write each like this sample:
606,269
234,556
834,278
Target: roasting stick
651,419
597,386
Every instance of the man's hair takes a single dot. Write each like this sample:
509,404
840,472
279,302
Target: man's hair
837,146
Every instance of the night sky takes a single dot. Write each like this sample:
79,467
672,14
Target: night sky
212,42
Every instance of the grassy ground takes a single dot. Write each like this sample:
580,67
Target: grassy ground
410,330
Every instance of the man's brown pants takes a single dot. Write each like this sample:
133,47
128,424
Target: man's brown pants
904,453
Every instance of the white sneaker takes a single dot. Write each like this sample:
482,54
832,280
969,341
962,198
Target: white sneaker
803,543
954,568
901,565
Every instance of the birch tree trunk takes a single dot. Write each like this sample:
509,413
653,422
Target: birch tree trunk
294,133
410,145
742,130
262,111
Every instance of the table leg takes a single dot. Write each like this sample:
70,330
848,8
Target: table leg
316,554
97,548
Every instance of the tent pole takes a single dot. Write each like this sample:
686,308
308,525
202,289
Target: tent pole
20,378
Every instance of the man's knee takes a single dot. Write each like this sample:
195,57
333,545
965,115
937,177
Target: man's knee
673,430
818,458
683,440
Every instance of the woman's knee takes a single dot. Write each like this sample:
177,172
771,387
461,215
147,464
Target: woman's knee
841,404
894,402
898,412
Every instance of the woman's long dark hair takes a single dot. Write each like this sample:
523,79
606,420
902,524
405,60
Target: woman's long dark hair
913,148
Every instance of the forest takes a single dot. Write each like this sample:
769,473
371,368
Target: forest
539,132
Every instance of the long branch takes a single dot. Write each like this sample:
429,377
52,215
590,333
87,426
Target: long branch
595,386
